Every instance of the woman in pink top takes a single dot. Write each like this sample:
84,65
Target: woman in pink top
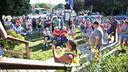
19,21
28,25
123,32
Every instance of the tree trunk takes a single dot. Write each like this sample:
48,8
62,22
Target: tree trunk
2,21
112,11
122,11
127,11
91,8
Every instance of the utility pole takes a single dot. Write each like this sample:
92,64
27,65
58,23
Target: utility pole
127,11
91,8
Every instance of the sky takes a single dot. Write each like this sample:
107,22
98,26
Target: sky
47,1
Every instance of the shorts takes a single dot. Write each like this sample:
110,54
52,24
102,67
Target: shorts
82,29
47,37
123,36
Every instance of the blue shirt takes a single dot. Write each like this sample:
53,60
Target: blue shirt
1,51
92,38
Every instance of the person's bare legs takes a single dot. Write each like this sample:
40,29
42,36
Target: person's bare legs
124,41
54,51
46,40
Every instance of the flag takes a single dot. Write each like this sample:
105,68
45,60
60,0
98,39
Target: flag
71,3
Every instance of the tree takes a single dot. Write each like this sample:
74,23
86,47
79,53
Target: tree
67,6
59,6
78,5
14,7
109,7
43,5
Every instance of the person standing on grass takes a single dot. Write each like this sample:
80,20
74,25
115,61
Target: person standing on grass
59,24
123,33
39,24
71,32
28,25
55,22
82,26
113,27
105,38
69,23
88,28
34,25
95,39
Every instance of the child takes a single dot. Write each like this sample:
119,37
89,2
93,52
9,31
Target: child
105,38
71,34
47,36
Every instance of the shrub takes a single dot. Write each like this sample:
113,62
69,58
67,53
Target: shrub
118,63
10,45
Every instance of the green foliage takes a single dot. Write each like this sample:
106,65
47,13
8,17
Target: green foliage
10,44
106,6
78,5
59,6
14,7
41,55
109,64
42,5
14,34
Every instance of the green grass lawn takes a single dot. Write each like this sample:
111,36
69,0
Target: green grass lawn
37,52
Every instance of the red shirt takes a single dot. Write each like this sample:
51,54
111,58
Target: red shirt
56,32
63,32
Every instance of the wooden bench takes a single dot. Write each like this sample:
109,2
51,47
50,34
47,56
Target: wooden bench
15,63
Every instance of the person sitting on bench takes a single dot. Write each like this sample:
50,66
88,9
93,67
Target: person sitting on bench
47,36
70,54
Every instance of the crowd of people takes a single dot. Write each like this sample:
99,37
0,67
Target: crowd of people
98,30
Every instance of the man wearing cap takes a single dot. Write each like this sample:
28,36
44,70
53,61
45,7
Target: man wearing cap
95,39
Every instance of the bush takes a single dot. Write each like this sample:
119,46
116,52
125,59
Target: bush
109,64
10,45
39,55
